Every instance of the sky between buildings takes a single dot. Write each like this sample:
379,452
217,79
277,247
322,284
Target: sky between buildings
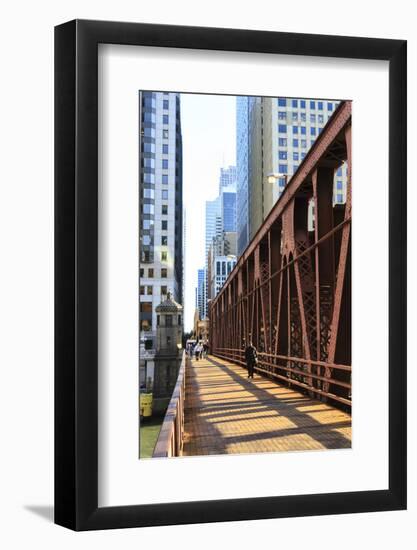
208,124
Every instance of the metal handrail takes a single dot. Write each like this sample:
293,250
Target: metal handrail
171,437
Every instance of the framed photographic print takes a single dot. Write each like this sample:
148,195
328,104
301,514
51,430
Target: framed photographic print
230,275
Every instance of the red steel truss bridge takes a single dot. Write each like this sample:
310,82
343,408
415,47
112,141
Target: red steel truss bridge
290,291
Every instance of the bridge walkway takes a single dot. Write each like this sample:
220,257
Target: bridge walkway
227,413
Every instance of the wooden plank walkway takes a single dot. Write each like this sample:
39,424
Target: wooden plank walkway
226,413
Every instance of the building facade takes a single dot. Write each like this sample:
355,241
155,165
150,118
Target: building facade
227,177
220,270
228,208
161,210
201,293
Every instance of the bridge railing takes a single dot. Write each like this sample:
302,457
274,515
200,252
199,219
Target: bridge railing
171,437
293,371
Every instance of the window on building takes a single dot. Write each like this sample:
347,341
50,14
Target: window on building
218,268
339,197
303,155
150,273
330,106
148,208
312,104
294,103
165,164
294,168
165,104
302,104
303,117
164,290
165,179
282,155
158,320
312,131
295,142
303,130
339,184
282,102
282,128
168,340
320,105
165,119
164,209
319,130
164,273
164,225
339,171
148,343
295,129
141,290
164,256
165,134
303,143
282,142
295,155
141,272
282,115
179,319
168,320
146,307
312,118
282,168
165,148
223,268
295,117
145,325
149,290
320,118
164,194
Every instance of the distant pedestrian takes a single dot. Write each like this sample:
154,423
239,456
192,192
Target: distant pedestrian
251,357
205,348
198,350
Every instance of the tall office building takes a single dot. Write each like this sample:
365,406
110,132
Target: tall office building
221,267
161,209
201,293
228,208
273,137
227,177
213,220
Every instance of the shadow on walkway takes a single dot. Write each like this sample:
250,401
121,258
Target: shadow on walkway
227,413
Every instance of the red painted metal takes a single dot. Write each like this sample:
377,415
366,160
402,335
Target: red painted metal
290,291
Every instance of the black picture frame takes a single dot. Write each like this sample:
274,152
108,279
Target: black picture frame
76,271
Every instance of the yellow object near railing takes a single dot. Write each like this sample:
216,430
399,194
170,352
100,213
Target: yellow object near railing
145,404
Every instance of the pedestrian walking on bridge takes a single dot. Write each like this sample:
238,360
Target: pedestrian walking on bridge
251,357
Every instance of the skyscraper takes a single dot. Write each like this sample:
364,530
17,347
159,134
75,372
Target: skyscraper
228,208
273,137
227,177
201,293
161,210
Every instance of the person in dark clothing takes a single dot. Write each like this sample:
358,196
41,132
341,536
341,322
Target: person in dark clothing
251,358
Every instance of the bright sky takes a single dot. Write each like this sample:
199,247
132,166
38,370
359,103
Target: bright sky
208,124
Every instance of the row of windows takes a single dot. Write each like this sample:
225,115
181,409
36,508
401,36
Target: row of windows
283,142
283,115
150,209
302,103
151,273
148,290
282,129
283,155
